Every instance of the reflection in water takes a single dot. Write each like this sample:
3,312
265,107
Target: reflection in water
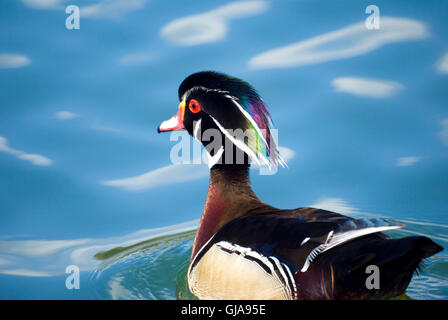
153,263
51,257
154,269
159,271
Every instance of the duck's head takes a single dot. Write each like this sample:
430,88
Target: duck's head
225,112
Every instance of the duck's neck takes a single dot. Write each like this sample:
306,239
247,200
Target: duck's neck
229,196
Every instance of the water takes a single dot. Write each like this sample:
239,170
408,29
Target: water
85,179
156,267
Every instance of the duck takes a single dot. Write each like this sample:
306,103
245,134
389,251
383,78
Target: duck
245,249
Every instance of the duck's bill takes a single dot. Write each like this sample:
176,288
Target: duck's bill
175,123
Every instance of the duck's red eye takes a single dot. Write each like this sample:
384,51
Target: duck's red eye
194,106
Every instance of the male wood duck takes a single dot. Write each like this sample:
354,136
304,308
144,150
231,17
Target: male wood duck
246,249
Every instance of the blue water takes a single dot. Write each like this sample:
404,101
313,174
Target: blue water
79,111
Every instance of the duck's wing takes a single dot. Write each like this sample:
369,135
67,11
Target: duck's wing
277,247
292,237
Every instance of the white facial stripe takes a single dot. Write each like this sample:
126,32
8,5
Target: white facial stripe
212,160
252,121
257,128
239,144
197,127
248,116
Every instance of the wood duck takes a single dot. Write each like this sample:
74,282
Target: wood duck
247,249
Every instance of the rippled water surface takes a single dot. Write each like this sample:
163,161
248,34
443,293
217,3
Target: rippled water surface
158,270
86,181
152,264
